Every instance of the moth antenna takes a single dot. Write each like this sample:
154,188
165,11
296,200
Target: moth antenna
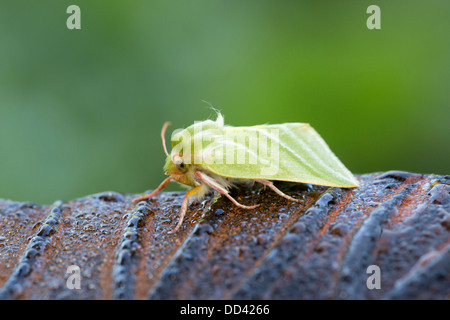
163,136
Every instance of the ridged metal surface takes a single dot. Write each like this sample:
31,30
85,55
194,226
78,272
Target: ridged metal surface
318,249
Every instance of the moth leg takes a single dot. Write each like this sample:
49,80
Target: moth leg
161,186
184,205
211,183
278,191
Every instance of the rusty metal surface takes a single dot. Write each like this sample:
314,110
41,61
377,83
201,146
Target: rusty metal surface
319,249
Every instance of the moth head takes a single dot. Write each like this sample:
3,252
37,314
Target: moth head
175,165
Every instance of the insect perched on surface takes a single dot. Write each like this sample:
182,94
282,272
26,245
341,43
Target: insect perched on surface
210,155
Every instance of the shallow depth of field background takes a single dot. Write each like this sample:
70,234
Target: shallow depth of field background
81,111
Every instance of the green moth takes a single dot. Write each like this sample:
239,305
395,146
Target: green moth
211,155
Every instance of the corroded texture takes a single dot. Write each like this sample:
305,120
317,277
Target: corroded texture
317,249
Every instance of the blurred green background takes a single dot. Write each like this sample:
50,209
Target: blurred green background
81,110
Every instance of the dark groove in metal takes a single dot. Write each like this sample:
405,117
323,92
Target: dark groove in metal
353,277
225,247
286,251
430,275
305,264
16,282
127,257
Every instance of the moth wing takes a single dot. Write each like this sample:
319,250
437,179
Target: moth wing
286,152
